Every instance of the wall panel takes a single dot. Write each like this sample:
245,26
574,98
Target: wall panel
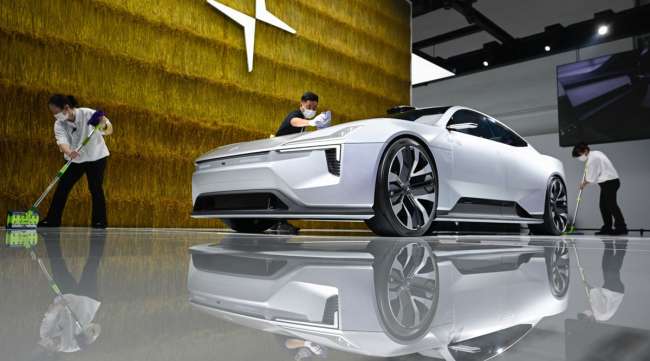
171,75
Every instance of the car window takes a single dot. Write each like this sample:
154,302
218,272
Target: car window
504,135
483,129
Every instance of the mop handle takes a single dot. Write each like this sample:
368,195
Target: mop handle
582,276
55,287
61,171
575,211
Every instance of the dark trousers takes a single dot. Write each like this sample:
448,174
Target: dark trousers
608,206
87,284
95,175
611,263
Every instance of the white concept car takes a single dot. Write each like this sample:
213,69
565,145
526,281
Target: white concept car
386,298
398,174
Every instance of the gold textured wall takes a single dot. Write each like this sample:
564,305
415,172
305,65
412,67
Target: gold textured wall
172,77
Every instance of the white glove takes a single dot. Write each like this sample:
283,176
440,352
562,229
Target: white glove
322,120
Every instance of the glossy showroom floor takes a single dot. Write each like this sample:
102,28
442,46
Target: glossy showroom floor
200,295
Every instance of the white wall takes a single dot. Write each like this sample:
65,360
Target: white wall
524,97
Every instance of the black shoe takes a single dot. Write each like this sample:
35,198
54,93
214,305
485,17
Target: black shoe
100,225
619,232
45,223
604,231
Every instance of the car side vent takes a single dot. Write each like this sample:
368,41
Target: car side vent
333,165
331,310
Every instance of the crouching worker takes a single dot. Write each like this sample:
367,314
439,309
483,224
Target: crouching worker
73,124
296,122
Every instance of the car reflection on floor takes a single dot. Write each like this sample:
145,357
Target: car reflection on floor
386,297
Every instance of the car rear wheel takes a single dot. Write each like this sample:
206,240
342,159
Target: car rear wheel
406,191
556,211
406,288
249,225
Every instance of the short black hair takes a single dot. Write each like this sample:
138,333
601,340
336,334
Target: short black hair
309,96
60,101
578,149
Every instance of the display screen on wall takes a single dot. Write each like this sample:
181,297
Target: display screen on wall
605,99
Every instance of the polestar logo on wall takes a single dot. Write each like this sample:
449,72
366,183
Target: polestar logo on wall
248,22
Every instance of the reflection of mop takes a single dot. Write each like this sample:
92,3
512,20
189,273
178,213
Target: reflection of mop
582,275
55,287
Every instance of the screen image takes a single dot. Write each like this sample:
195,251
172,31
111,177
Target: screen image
605,99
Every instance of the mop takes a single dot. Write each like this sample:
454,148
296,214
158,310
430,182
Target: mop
29,219
572,229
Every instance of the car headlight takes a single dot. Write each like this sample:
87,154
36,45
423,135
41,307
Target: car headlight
329,138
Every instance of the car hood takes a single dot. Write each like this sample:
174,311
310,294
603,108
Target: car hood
266,145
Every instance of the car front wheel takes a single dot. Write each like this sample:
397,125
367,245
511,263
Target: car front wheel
406,191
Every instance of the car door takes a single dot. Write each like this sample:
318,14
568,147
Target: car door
522,173
477,169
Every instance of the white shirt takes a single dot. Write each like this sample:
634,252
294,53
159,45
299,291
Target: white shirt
599,168
73,133
604,303
58,322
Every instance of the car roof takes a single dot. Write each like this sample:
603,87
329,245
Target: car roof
415,114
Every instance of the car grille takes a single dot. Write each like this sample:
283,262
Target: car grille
238,202
333,165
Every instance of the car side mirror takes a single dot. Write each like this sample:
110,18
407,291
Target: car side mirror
462,126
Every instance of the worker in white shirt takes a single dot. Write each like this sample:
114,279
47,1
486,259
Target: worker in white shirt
599,169
73,124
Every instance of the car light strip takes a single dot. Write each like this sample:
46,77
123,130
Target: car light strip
337,147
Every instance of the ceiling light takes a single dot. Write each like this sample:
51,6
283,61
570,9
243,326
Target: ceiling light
547,48
603,30
485,63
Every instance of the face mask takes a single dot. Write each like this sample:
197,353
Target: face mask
309,113
582,158
60,116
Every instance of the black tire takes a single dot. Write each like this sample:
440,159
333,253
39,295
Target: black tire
558,268
413,195
404,283
249,225
556,211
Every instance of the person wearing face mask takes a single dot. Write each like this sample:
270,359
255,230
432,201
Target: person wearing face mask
599,169
295,122
305,116
73,124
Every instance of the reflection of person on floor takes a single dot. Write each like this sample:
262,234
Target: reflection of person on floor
304,350
606,300
58,331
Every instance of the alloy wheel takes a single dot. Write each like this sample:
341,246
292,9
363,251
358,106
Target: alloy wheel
559,269
412,285
412,187
558,204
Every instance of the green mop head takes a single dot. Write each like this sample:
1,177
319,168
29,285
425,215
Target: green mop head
22,219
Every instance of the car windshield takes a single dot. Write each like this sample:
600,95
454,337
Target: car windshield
414,115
